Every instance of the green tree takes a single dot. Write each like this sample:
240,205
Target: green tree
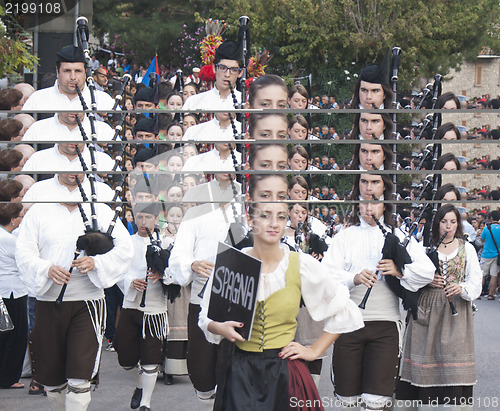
14,47
307,35
141,28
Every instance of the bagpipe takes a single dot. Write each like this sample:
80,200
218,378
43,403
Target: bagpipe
433,256
157,260
395,251
94,241
308,242
238,236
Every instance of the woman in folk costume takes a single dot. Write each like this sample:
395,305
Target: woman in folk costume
439,362
365,362
270,359
143,325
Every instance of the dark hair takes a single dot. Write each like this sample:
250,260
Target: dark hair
10,189
174,93
262,82
386,89
388,207
444,128
194,115
389,155
255,148
173,124
298,88
446,157
164,89
301,181
445,209
9,128
445,189
387,123
10,159
8,211
298,118
495,215
10,97
443,98
255,179
255,118
298,149
192,85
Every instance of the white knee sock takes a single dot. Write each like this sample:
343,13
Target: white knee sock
149,375
57,396
78,396
207,399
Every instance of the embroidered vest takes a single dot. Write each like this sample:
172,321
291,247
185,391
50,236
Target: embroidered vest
275,320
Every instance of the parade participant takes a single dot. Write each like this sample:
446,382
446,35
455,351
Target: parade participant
438,365
64,156
268,92
146,99
218,159
369,156
298,97
267,127
298,159
372,90
270,358
228,69
365,362
66,340
15,297
192,261
267,157
64,127
146,128
368,126
64,187
298,188
70,70
142,328
177,343
448,100
217,129
298,128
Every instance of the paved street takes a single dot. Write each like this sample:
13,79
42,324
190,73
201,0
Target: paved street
117,385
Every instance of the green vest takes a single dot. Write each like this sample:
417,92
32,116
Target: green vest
275,320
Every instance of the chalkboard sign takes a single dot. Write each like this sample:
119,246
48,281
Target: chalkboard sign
234,288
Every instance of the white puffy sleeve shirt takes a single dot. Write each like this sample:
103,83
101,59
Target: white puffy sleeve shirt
48,235
472,285
325,297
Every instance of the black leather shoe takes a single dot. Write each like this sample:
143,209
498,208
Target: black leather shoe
169,379
136,399
144,408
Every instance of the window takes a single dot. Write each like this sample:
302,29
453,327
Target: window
479,75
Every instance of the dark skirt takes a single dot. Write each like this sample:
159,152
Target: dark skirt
264,381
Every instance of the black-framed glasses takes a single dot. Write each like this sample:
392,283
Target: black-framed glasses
223,69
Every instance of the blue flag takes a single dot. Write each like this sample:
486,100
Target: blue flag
153,68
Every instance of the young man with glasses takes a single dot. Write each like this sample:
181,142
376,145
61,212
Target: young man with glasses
228,69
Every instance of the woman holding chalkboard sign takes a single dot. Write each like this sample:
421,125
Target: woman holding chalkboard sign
270,360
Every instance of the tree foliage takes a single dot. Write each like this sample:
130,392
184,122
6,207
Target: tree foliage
141,28
307,35
14,48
